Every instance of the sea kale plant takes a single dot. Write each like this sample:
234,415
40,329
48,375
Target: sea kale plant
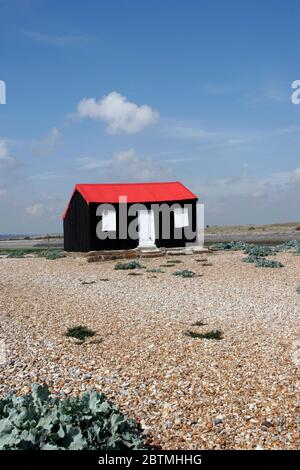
257,254
39,421
129,265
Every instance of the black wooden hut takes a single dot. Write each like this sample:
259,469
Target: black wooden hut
163,214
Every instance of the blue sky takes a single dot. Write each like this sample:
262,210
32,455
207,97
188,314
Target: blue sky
106,91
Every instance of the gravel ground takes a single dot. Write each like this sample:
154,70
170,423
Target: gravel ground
240,392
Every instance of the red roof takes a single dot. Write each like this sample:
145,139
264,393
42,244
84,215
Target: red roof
135,192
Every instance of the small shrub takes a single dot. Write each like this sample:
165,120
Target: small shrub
16,254
80,332
184,273
129,265
104,279
87,283
214,334
55,254
298,290
37,421
261,262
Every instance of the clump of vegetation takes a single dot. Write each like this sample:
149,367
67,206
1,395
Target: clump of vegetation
174,261
257,254
104,279
38,421
50,254
184,273
135,274
199,323
262,262
169,265
87,283
79,332
54,254
129,265
298,290
214,334
16,254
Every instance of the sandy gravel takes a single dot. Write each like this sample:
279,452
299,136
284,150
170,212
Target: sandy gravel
240,392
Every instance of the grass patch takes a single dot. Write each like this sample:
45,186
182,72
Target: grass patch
50,254
129,265
80,332
184,273
214,334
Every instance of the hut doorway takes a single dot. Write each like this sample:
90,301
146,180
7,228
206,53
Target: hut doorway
146,229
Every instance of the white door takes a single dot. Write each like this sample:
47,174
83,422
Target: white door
146,229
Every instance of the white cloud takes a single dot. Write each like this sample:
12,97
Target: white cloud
246,198
126,166
92,163
121,115
36,210
5,157
47,144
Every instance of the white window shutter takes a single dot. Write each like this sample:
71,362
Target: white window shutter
109,223
181,217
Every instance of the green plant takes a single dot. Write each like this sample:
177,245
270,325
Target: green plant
38,421
36,252
79,332
214,334
169,265
129,265
262,262
298,290
184,273
87,282
54,254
